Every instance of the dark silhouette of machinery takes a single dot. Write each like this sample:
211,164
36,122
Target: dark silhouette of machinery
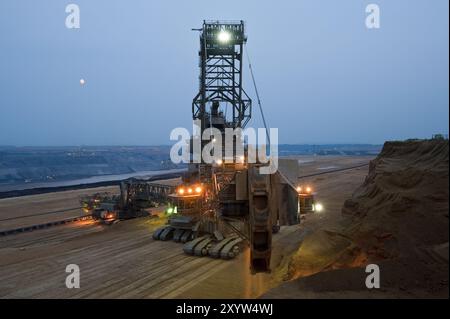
223,204
136,195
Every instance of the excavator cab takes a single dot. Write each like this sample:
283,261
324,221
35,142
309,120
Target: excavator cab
184,212
187,200
306,201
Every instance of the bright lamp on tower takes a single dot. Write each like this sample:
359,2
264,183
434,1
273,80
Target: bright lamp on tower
224,36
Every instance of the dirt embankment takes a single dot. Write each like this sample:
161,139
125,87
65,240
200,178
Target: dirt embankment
398,219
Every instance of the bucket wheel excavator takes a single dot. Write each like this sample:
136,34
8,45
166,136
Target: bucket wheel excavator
227,203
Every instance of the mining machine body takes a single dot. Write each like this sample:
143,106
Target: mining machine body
223,205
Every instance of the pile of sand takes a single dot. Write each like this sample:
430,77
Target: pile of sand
398,219
402,206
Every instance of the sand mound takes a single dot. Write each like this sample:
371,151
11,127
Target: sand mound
325,250
402,205
398,218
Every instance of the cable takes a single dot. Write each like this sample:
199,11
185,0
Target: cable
257,95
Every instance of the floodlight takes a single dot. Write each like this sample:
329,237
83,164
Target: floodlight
224,36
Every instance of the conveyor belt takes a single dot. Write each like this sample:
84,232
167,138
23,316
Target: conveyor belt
45,225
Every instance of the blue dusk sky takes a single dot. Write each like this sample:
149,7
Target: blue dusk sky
323,76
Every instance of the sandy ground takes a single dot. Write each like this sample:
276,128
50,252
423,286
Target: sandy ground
123,261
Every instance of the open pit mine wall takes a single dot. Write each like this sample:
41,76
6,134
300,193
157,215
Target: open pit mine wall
403,203
405,176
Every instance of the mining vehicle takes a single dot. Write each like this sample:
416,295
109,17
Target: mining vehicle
89,203
136,196
225,204
306,201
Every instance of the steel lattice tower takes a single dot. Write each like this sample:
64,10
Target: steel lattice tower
221,60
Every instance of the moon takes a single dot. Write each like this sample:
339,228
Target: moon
82,81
